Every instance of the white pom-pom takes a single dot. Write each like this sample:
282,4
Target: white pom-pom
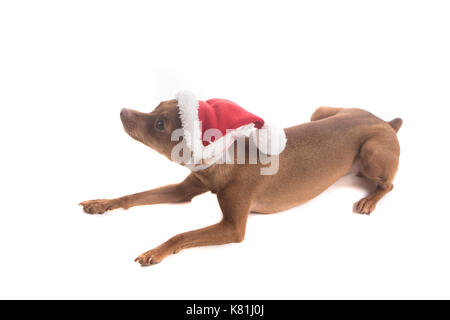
270,139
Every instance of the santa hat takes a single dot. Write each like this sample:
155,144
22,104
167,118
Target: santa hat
211,126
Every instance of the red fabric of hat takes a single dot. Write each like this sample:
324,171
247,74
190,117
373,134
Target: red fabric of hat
230,120
224,115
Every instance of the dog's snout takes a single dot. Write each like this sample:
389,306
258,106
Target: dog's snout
123,113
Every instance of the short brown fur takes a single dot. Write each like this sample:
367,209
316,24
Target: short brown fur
317,154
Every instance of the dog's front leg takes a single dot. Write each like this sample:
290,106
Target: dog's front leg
235,208
175,193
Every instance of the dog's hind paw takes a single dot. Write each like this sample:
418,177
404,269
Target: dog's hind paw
365,206
97,206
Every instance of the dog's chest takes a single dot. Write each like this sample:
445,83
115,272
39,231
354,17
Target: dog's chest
208,182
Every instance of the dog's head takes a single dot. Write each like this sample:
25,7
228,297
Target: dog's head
154,129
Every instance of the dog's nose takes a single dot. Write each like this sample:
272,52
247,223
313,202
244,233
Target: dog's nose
123,113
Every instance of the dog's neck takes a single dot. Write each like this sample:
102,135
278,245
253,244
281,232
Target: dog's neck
216,177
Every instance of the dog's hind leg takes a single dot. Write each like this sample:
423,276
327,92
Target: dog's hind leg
324,112
174,193
379,158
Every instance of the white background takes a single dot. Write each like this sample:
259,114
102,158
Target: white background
68,67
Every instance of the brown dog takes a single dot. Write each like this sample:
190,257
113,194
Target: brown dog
317,154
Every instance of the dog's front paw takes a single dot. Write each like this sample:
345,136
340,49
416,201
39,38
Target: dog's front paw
153,256
97,206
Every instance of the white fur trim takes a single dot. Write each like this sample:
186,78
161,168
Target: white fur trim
188,107
270,139
222,144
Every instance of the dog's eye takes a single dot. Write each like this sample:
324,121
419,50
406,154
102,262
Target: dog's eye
160,124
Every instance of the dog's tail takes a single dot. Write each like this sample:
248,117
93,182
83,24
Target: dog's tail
396,124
